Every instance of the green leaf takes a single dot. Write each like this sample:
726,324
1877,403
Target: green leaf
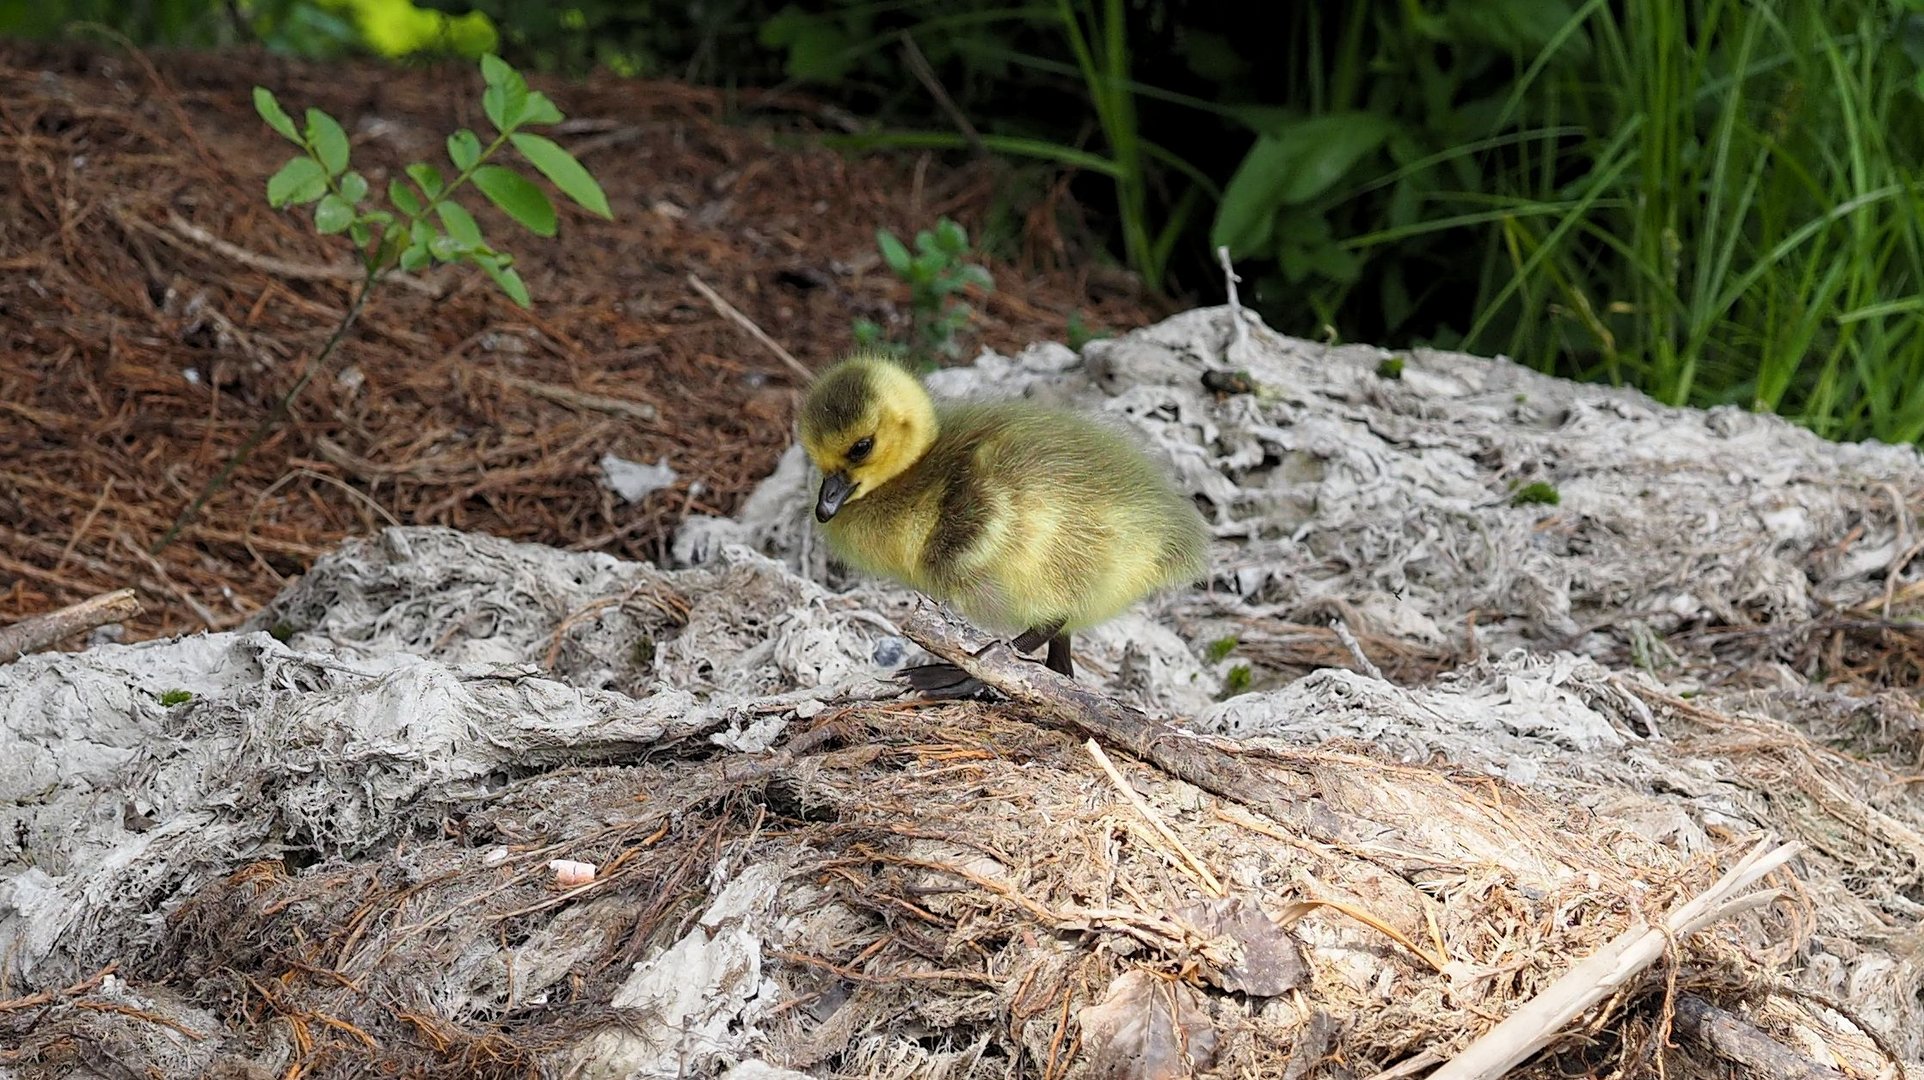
1292,167
324,134
560,166
421,233
446,248
427,176
517,198
540,110
506,98
415,257
403,197
358,232
951,237
301,180
464,149
505,276
459,223
276,117
333,214
494,70
353,187
893,253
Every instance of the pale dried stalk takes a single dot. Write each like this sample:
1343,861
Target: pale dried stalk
1209,881
1541,1019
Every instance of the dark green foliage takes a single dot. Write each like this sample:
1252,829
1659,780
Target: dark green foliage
1237,681
171,698
1221,648
1390,368
1717,201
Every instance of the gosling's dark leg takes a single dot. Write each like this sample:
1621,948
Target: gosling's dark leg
1032,638
1058,660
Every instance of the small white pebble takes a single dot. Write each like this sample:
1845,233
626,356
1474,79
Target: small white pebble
495,857
808,708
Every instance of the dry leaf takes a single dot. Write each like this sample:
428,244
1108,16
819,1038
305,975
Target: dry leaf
1272,960
1147,1028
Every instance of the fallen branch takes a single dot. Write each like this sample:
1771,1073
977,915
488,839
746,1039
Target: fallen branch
1543,1018
1068,705
1738,1041
39,631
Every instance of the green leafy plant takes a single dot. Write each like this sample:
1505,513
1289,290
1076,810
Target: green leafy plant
1079,332
938,272
1390,368
171,698
1237,681
421,222
1536,493
1220,648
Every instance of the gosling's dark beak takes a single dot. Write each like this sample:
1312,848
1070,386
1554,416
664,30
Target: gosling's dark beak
835,489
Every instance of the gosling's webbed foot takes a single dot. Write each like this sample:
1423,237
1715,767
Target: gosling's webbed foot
942,682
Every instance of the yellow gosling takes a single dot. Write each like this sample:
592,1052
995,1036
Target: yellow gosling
1029,520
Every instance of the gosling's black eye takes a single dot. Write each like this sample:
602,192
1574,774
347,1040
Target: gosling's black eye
861,448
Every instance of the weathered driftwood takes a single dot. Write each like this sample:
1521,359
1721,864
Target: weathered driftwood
1073,706
32,634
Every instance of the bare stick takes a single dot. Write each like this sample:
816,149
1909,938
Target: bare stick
1738,1041
1235,306
1540,1020
1195,865
728,311
1355,648
40,631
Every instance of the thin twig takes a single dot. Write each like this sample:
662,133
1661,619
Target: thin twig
925,73
168,583
1355,648
728,311
268,264
1235,306
1195,865
272,419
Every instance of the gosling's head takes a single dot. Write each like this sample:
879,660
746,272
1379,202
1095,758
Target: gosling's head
865,421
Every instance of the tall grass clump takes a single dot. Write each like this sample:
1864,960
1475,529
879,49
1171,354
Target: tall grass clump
1738,220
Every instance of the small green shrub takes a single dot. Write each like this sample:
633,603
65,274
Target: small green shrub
1221,647
421,222
171,698
1237,681
938,271
1391,368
